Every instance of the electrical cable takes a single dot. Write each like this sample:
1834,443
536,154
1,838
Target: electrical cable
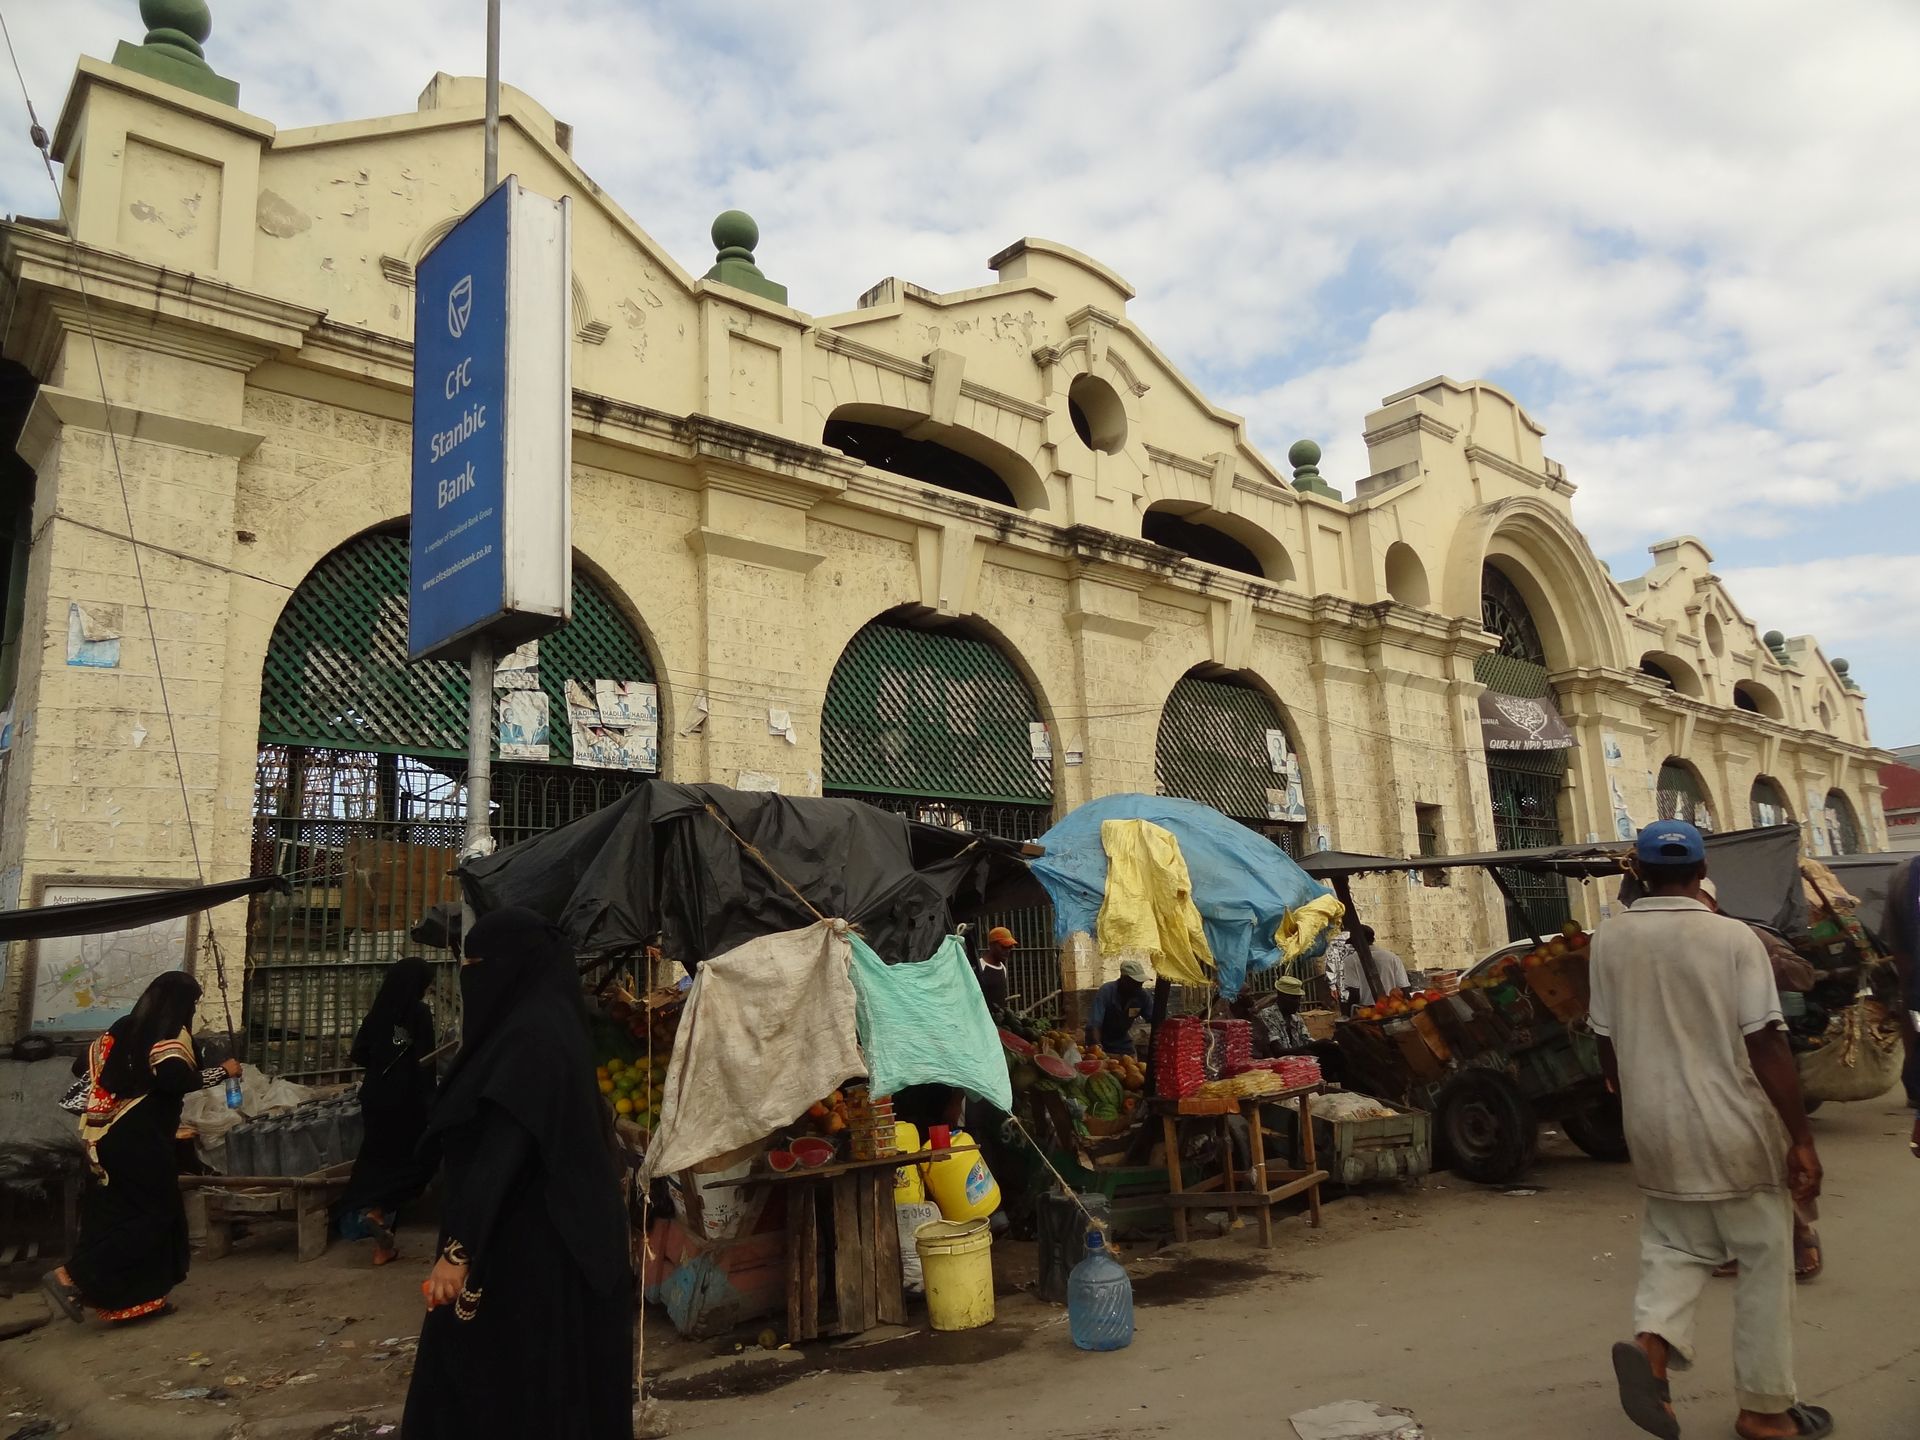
37,134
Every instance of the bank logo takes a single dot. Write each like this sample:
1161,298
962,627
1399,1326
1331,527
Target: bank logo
460,306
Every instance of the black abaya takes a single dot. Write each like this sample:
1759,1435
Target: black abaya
132,1249
541,1342
544,1354
396,1098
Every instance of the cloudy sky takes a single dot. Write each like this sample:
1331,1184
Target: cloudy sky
1684,234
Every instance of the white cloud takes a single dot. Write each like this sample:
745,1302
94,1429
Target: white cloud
1683,232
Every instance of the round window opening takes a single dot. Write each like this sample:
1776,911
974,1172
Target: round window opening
1716,637
1099,419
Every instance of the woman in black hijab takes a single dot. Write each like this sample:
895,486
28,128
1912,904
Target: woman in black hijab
396,1097
529,1328
132,1248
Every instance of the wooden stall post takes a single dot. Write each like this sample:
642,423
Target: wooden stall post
1343,887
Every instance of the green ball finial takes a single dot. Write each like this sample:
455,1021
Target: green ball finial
1840,668
183,24
1773,640
734,230
1303,455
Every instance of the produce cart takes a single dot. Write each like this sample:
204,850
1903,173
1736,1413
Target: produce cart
1511,1047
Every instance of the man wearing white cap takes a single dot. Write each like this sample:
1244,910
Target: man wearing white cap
1117,1005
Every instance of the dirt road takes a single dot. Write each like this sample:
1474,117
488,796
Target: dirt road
1486,1314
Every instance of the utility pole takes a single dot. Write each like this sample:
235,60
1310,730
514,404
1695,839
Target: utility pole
480,663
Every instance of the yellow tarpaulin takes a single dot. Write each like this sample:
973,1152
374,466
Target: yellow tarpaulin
1149,901
1304,925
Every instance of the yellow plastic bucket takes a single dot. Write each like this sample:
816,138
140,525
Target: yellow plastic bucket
908,1187
956,1260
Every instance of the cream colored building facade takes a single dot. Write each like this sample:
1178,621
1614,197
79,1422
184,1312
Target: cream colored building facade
245,293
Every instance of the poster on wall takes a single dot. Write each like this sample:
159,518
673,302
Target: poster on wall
1277,751
1623,826
598,744
1040,742
83,983
519,669
1819,821
524,731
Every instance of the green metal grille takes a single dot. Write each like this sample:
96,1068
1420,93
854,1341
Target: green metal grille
931,712
1769,804
1212,747
1682,797
337,674
1843,830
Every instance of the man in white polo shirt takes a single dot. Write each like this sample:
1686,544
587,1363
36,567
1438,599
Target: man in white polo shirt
1691,1036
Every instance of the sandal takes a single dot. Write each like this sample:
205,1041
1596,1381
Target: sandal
65,1296
1811,1422
1807,1263
1644,1396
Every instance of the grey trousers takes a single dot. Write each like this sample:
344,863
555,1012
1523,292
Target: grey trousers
1681,1242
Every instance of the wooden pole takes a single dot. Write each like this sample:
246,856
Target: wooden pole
1507,892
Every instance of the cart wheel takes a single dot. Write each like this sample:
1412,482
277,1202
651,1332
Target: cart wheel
1600,1129
1488,1126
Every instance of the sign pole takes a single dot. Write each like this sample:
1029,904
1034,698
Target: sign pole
480,663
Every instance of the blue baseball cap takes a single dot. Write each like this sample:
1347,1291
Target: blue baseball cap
1670,842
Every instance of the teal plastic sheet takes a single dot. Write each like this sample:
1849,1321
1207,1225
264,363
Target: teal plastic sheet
927,1024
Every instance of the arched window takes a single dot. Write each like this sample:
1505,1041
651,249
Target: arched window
1673,672
936,723
1199,541
1843,827
1224,743
1682,795
1757,699
1407,577
360,794
1769,803
1525,784
927,461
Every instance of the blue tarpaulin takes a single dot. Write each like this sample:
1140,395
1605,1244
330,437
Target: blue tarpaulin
1243,884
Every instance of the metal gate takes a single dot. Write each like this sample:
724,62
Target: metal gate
1525,784
938,725
1682,796
360,800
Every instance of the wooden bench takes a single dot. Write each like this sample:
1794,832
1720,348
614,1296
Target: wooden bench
214,1202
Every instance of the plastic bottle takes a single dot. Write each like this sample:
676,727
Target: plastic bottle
233,1092
1100,1299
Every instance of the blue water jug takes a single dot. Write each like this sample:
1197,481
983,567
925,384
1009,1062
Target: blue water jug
1100,1299
234,1096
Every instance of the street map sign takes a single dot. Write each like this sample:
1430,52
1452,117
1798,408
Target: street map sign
492,543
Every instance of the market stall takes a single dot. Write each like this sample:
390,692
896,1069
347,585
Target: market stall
1507,1046
769,973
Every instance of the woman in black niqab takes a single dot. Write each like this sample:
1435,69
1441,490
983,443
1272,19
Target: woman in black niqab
132,1247
396,1096
530,1330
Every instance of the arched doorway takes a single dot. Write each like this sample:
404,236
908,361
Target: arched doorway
1525,783
1683,795
1842,825
935,722
360,796
1769,803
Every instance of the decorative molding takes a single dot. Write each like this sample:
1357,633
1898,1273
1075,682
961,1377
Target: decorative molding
55,408
593,332
1025,409
398,271
709,543
1480,455
838,344
1418,423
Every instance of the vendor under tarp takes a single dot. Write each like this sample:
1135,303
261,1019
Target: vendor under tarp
672,863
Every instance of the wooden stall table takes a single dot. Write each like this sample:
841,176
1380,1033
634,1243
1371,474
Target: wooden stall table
214,1202
868,1285
1268,1186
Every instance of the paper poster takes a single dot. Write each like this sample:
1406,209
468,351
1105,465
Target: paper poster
1039,741
597,745
519,669
1623,826
780,722
702,707
1277,751
1276,804
93,636
1819,820
1076,757
756,780
524,731
628,704
1610,747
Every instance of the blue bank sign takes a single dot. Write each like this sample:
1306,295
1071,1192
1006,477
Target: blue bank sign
492,429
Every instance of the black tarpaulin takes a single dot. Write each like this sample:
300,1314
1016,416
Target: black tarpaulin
660,865
129,912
